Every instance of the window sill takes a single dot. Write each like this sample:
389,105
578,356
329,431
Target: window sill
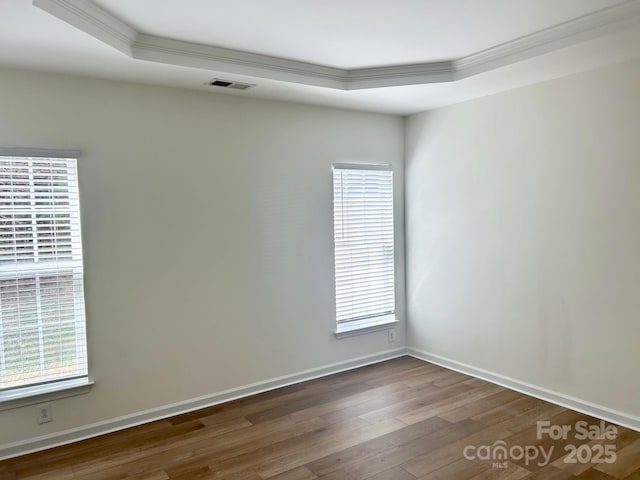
21,397
368,326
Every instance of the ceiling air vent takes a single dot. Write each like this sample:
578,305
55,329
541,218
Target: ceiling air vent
216,82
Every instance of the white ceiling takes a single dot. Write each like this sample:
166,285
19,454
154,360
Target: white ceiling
349,34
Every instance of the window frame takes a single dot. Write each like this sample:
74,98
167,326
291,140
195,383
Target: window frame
48,389
383,321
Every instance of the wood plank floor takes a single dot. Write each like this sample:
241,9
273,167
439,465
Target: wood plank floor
403,419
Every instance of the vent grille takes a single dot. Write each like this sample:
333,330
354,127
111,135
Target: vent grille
216,82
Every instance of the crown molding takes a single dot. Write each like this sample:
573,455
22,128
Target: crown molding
97,22
394,76
580,29
187,54
90,18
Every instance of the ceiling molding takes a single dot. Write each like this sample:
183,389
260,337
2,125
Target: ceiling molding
580,29
91,19
393,76
97,22
187,54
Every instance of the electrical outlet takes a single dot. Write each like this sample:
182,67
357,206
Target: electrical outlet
43,415
392,335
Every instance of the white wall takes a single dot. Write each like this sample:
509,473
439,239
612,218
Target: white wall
207,231
523,234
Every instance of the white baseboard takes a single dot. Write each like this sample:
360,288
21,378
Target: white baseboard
557,398
81,433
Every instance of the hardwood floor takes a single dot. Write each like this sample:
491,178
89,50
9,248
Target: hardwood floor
398,420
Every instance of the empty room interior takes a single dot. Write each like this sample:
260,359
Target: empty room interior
299,239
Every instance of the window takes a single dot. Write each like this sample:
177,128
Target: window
363,241
42,322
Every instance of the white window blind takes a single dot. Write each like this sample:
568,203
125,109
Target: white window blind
363,239
42,321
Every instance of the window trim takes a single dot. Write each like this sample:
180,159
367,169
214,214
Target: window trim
360,327
55,390
64,387
38,152
384,321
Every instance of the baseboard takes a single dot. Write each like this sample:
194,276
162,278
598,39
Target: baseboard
81,433
557,398
96,429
